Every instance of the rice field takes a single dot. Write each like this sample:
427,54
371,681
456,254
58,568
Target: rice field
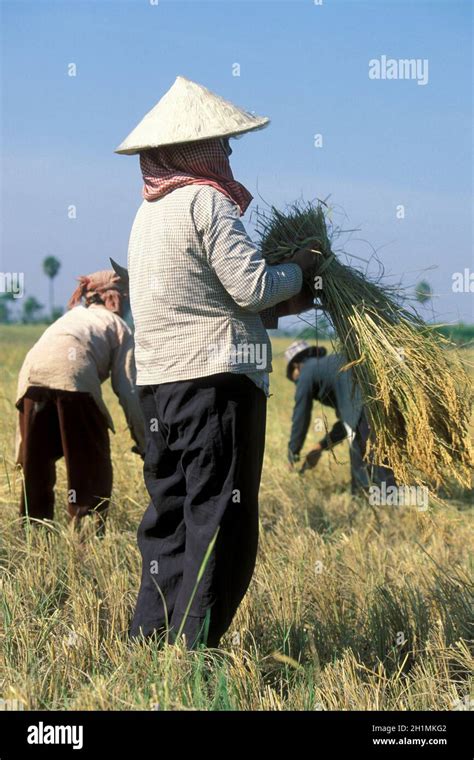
352,607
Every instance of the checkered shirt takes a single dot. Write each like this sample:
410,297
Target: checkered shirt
197,285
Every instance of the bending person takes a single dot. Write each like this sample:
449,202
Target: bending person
61,409
319,377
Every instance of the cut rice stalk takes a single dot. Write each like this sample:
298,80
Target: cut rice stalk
416,392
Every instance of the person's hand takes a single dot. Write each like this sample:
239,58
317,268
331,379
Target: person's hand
292,458
312,458
306,261
302,301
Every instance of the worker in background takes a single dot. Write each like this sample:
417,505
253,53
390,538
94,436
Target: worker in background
321,377
61,409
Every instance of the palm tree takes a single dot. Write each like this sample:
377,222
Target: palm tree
51,267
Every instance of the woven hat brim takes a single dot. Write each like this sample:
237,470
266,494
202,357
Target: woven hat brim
130,151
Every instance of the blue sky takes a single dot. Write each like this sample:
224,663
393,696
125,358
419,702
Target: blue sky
386,143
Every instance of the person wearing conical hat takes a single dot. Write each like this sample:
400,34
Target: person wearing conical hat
61,409
319,376
200,291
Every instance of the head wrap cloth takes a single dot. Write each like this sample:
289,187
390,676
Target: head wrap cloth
104,287
195,163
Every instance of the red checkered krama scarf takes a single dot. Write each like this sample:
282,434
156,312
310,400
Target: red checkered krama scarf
198,163
103,287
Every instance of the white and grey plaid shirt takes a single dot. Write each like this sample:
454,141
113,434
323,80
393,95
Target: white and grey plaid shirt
197,285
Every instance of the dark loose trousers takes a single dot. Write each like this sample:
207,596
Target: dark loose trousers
56,423
365,474
205,440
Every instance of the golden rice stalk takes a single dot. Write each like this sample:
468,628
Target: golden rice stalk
416,391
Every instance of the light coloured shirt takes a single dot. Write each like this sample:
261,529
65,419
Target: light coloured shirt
78,352
197,285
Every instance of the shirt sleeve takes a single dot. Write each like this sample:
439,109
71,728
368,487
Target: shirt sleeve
301,412
249,280
123,377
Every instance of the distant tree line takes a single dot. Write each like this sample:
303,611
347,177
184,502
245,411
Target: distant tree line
31,309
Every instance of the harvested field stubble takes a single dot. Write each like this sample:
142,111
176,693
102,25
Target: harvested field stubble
350,608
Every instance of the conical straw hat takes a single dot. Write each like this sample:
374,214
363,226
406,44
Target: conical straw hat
186,113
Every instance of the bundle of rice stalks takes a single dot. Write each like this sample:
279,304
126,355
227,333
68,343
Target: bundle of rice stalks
416,392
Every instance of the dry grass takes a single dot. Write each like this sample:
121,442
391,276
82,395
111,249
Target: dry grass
349,608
